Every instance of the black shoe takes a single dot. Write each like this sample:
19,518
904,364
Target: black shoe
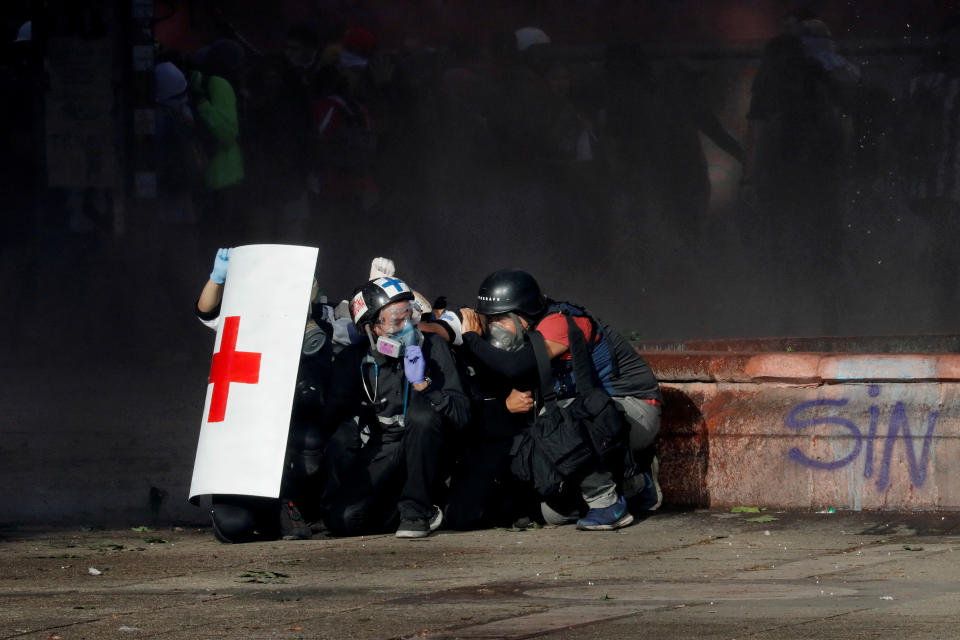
292,526
420,527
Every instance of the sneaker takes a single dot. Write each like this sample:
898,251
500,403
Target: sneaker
606,519
420,527
651,497
292,525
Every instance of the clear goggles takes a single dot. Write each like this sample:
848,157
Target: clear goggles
394,316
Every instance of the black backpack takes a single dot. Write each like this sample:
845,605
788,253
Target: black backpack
590,432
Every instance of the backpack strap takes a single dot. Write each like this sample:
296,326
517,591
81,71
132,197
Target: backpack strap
582,371
548,396
614,362
597,328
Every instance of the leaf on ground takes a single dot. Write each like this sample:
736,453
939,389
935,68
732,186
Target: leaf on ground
142,527
263,577
745,510
763,518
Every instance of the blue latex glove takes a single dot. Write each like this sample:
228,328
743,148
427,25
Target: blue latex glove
219,273
414,365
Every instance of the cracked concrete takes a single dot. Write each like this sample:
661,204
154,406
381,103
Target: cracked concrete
679,574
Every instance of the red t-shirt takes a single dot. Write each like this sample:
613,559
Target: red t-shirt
554,328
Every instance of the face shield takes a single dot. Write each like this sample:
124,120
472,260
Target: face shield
505,332
393,317
396,329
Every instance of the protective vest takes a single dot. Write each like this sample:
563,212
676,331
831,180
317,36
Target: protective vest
616,366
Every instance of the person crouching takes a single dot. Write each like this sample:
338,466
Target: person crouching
391,401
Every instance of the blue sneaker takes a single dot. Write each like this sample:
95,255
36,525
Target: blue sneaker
651,496
607,518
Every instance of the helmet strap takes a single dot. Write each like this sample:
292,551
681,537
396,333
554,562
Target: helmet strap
373,342
516,323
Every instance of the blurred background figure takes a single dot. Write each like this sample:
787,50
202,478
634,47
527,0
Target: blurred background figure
927,146
799,138
215,83
278,143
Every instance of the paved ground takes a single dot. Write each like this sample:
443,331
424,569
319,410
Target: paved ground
704,574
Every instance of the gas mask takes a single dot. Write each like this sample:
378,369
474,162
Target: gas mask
502,338
396,321
314,337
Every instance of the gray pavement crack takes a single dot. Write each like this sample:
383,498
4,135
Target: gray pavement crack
132,612
803,622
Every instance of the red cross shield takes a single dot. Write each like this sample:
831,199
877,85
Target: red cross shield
253,374
230,365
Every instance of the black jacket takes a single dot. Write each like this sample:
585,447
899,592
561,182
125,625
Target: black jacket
374,387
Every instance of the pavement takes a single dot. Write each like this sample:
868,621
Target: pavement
676,574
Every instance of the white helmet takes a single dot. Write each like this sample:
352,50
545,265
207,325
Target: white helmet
529,36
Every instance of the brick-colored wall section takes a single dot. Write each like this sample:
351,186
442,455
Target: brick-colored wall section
810,430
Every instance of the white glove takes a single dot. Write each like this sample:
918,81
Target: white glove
382,268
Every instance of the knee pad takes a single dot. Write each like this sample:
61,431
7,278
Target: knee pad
243,519
303,464
305,451
343,520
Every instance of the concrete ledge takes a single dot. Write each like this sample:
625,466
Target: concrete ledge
810,430
946,343
803,368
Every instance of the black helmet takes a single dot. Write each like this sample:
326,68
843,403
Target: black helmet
370,297
510,290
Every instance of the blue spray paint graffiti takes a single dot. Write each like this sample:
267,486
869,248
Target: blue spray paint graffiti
898,423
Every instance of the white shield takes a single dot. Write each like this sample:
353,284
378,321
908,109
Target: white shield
253,375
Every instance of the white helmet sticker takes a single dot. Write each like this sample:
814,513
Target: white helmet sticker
358,306
392,286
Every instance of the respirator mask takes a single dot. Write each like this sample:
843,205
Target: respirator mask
501,337
396,321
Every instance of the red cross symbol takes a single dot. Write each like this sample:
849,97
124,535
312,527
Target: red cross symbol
230,365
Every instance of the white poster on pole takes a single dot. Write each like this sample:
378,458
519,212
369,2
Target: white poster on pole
253,374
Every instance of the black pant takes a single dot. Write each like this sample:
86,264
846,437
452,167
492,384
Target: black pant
394,471
483,492
239,518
